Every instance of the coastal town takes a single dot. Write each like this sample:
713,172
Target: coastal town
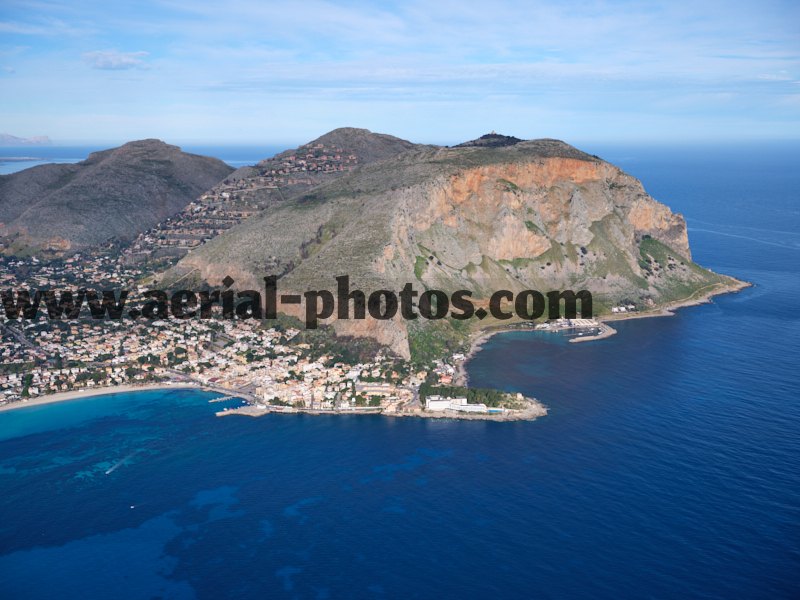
267,365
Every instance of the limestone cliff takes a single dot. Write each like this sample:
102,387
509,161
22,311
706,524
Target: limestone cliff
521,215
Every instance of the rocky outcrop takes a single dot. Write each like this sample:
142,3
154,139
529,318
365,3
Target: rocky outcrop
524,215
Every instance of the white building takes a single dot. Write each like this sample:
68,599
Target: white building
438,404
460,404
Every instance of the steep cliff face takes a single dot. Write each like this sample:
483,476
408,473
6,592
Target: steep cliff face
532,215
528,206
554,222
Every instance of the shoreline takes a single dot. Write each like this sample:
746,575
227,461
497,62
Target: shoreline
668,310
461,377
102,391
533,411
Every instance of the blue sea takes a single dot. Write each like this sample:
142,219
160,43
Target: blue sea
668,467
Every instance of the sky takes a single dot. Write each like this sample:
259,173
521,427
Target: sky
261,72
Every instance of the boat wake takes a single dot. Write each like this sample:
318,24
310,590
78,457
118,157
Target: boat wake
121,462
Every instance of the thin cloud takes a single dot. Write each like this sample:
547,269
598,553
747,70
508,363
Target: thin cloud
45,27
112,60
636,68
21,28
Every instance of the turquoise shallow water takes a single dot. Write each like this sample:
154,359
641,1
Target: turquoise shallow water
669,465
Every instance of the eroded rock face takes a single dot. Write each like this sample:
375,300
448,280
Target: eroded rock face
656,220
524,206
553,222
534,215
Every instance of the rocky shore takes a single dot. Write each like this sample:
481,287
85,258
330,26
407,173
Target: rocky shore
534,410
702,296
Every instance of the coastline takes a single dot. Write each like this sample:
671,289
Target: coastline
533,411
668,310
461,377
100,391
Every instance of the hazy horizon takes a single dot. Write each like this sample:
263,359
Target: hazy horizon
269,143
238,155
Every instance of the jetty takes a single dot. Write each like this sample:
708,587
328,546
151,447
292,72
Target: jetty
224,399
603,331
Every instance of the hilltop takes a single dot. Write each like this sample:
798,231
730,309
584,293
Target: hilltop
491,140
366,146
113,194
250,190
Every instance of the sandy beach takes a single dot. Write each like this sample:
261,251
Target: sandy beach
89,392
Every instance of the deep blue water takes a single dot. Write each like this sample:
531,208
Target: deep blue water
669,465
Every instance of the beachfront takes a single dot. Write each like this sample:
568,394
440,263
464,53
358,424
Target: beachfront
90,392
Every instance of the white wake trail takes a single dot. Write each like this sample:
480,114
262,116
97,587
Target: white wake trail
121,462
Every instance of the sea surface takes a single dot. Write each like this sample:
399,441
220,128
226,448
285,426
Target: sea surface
668,467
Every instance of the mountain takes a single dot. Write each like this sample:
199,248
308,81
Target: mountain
113,194
491,140
534,214
12,140
252,189
368,147
327,157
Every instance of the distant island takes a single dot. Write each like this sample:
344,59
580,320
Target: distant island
12,140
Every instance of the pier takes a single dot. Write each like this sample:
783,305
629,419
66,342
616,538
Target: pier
224,399
603,331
